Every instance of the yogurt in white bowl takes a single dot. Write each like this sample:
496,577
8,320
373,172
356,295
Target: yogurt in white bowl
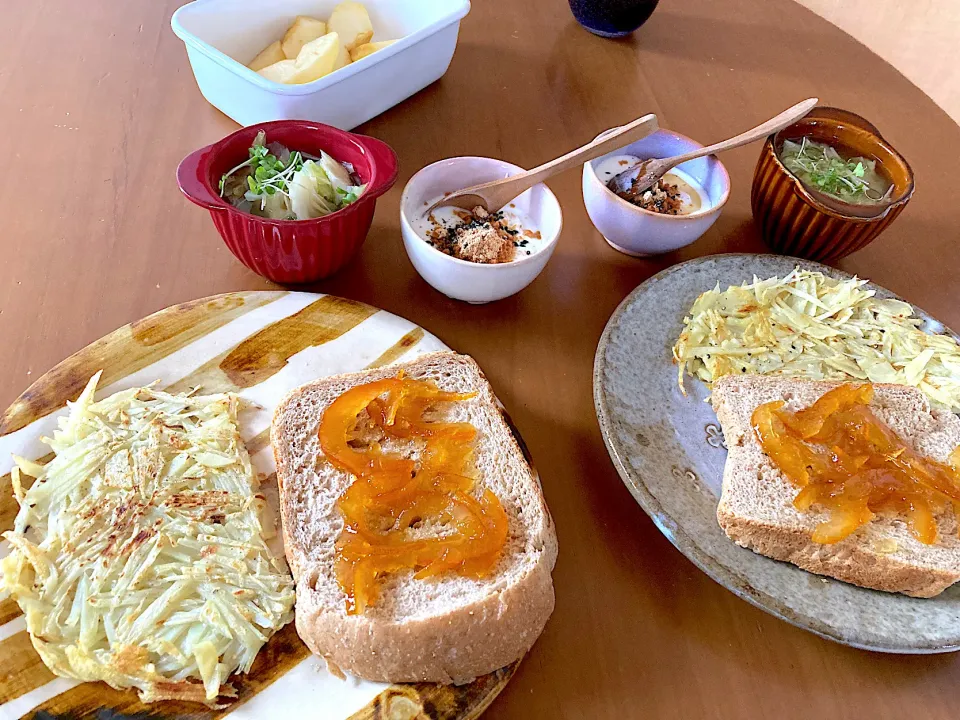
535,216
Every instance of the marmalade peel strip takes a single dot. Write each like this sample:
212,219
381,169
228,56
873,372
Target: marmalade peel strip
849,462
393,496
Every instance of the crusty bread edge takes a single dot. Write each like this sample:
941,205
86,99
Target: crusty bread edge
855,565
486,635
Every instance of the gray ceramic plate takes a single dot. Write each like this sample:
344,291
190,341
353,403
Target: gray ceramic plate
669,451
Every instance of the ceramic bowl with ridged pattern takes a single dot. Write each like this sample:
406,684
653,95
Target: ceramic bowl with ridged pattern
291,251
795,220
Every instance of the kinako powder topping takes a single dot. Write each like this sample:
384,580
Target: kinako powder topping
480,237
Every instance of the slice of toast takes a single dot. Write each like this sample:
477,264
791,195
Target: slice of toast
756,507
447,628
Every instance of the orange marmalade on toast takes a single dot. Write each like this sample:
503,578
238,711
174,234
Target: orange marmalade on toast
394,495
849,462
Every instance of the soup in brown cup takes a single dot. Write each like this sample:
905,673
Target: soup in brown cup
795,218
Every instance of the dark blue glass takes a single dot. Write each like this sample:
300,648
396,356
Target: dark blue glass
612,18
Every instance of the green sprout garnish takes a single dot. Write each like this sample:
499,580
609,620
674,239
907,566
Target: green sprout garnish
821,167
269,174
293,186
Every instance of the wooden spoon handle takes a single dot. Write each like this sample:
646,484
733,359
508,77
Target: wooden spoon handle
609,141
774,124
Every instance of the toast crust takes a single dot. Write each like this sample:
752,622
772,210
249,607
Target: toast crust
756,509
466,640
457,647
854,564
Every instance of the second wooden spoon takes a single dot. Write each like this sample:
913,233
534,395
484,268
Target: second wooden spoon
641,178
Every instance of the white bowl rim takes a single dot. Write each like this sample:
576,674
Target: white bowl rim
588,166
486,266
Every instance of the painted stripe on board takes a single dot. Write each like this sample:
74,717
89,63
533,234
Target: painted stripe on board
12,627
8,611
283,652
159,335
22,669
328,697
258,442
398,349
168,369
23,706
264,354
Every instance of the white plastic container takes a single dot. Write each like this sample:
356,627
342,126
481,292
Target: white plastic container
222,35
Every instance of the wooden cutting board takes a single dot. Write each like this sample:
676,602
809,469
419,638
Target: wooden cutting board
259,345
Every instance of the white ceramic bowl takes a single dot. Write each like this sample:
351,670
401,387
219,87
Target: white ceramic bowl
222,35
459,279
638,232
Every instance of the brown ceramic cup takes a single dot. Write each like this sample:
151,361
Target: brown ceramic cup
795,220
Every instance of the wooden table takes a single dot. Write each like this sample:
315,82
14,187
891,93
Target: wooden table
99,105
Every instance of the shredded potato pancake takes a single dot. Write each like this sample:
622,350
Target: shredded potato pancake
811,326
138,555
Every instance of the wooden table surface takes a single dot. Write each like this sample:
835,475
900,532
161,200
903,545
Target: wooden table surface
99,105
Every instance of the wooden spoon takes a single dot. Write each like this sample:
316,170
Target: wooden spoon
641,177
494,195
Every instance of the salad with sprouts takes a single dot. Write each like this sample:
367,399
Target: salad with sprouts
280,184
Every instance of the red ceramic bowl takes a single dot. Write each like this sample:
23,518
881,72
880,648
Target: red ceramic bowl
291,251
